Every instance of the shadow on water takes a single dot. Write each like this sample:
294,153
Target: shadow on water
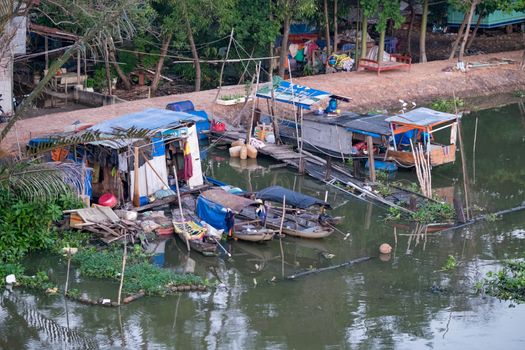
404,300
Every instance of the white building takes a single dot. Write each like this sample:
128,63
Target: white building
17,31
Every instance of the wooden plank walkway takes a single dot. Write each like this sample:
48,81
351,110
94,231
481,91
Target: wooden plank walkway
316,167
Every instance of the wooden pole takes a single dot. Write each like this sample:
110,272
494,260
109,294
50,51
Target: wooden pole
124,258
153,168
68,268
281,234
464,170
250,126
371,164
223,64
179,201
474,152
78,67
46,49
348,263
136,194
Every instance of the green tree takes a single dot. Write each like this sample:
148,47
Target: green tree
387,10
285,11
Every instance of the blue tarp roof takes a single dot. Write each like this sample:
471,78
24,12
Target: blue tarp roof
294,199
149,119
300,95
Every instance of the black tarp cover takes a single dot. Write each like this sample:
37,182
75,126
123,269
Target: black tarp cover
294,199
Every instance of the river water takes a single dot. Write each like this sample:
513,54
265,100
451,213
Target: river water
402,302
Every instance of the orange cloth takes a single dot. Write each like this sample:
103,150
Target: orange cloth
59,154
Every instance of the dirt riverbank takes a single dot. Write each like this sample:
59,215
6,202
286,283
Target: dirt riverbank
423,84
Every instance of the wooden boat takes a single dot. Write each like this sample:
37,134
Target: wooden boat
213,207
418,127
190,231
297,221
244,233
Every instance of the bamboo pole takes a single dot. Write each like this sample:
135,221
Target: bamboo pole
223,64
179,201
136,194
464,170
153,168
124,258
68,268
281,234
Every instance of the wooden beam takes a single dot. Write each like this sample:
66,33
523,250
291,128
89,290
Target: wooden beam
371,164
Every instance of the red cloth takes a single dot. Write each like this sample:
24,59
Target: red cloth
188,164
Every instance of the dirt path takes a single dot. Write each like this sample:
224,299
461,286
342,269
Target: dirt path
424,83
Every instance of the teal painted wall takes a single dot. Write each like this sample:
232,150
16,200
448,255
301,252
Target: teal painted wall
496,19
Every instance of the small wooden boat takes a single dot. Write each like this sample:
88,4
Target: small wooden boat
214,205
251,233
297,226
297,222
195,235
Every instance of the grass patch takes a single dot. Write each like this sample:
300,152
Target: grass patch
519,93
506,284
447,106
231,97
140,274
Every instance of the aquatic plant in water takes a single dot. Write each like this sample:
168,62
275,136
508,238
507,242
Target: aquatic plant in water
506,284
139,275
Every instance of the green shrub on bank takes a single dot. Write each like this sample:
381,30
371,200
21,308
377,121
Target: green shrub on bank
447,106
27,226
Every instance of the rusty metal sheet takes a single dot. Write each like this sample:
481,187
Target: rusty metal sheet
228,200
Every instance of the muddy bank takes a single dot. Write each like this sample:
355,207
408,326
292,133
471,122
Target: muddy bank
423,84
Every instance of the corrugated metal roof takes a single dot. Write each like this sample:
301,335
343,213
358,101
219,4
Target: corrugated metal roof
422,117
149,119
354,122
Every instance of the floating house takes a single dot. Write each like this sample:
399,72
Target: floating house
137,157
320,127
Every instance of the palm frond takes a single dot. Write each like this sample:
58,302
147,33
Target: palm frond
85,137
45,181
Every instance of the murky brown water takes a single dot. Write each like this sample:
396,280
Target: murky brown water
400,303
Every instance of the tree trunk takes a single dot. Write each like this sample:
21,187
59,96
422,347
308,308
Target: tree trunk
195,55
423,34
327,28
108,68
158,70
364,34
335,26
410,26
381,48
471,39
460,33
467,30
284,45
122,76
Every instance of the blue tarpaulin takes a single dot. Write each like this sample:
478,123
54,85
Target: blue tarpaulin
300,95
149,119
213,213
294,199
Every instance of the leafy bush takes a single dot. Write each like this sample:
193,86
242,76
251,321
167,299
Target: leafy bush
506,284
26,226
448,106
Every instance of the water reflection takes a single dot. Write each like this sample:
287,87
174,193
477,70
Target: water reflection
403,301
